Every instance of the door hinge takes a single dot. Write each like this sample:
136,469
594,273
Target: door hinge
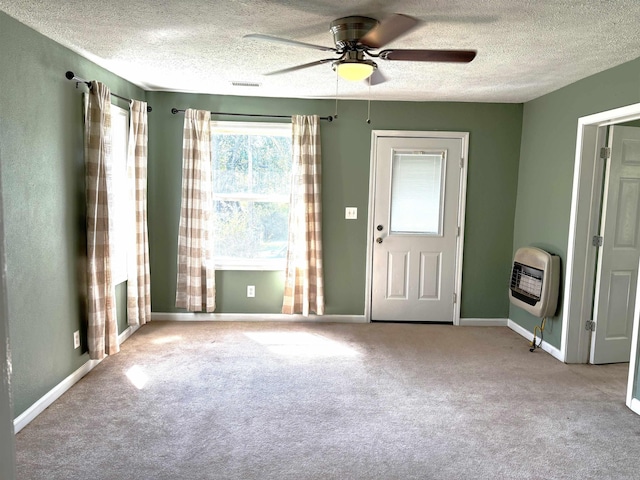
597,241
455,298
462,162
458,232
590,326
605,153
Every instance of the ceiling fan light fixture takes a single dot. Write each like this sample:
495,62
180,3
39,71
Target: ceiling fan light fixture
354,71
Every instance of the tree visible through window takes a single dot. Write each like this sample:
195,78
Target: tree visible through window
251,184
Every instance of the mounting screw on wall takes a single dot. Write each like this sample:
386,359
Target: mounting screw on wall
251,291
76,339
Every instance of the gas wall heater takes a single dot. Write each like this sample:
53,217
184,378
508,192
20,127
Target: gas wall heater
535,279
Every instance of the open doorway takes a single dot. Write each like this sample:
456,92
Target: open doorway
584,272
582,256
617,246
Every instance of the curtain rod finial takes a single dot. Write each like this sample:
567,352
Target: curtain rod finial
69,75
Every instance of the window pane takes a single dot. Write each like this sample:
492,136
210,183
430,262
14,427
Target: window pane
119,200
258,164
416,193
230,163
271,164
246,230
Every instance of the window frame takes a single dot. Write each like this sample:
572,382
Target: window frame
273,128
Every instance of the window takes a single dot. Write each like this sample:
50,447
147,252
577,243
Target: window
120,216
251,164
417,192
120,205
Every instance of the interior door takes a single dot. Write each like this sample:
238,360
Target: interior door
617,270
416,228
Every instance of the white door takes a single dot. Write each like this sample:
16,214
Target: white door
617,270
416,222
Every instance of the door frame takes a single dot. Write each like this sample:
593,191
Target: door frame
584,220
634,403
462,206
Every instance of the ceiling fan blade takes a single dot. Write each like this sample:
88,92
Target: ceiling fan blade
300,67
388,30
376,78
269,38
456,56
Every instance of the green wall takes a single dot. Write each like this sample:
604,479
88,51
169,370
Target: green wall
528,150
43,194
547,160
495,131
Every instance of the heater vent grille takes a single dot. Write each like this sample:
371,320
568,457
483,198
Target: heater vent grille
527,281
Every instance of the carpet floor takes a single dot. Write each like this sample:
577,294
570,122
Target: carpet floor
307,401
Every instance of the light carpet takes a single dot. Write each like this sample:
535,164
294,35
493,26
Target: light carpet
334,401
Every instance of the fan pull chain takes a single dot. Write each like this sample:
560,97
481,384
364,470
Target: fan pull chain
369,102
335,116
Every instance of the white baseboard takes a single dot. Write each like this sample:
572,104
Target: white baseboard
52,395
483,322
255,317
56,392
279,317
547,347
127,333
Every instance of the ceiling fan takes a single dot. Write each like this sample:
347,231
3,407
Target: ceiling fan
357,38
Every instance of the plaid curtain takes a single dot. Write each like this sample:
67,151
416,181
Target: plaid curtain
304,284
139,280
101,305
196,289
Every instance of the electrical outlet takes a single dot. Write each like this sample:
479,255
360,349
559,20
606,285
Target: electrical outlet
76,339
251,291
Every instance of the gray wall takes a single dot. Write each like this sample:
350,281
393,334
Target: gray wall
495,131
547,160
42,181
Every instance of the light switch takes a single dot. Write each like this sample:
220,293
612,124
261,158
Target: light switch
351,213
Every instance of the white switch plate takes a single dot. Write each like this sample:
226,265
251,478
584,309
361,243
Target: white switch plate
251,291
351,213
76,339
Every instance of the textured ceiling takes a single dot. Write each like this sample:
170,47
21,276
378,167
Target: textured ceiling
526,48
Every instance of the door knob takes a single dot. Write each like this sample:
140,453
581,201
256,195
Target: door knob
379,240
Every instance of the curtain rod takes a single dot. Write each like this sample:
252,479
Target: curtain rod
71,76
328,119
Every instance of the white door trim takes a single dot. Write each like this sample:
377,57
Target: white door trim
580,264
631,402
464,137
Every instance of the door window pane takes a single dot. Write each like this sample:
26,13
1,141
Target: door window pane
417,192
